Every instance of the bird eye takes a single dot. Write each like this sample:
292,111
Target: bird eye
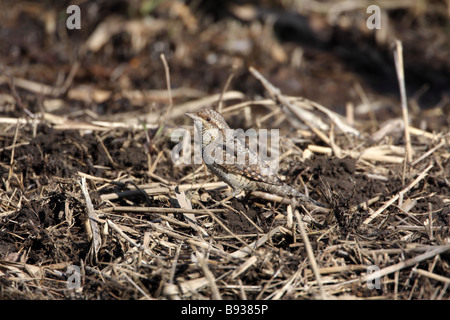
208,119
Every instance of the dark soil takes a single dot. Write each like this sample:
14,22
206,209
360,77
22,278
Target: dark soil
43,215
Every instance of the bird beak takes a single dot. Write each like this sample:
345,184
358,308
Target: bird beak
193,116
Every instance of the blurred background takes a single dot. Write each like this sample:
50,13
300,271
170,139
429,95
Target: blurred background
318,49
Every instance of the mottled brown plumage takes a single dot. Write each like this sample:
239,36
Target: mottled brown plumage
229,158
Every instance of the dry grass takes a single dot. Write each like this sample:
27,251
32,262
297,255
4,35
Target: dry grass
105,196
185,250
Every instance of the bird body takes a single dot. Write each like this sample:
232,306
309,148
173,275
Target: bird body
231,160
